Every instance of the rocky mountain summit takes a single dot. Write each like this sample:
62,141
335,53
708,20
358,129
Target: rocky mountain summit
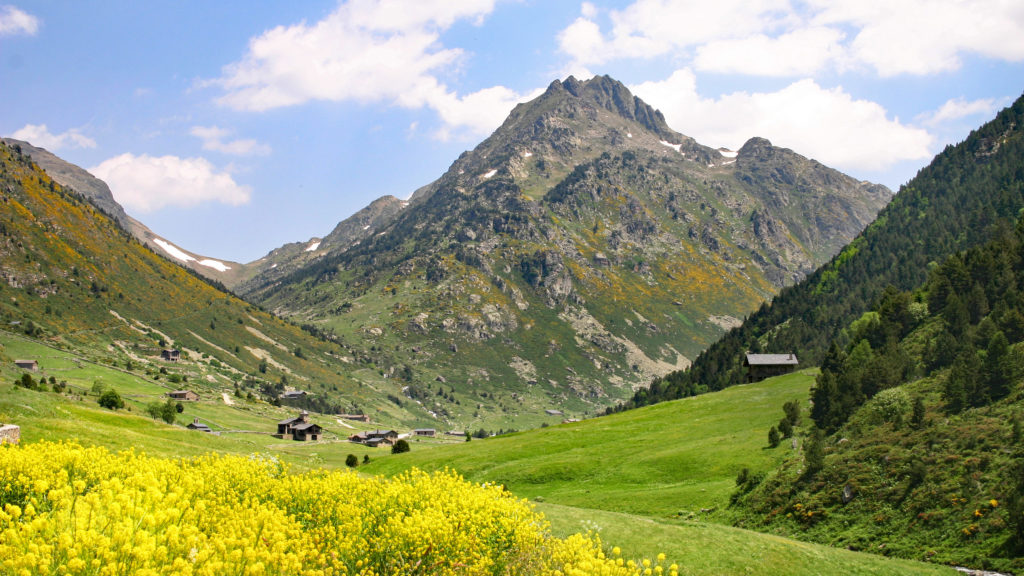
582,249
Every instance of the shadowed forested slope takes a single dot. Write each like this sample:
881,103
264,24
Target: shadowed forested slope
960,200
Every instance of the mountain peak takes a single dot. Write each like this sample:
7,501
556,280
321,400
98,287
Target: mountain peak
614,96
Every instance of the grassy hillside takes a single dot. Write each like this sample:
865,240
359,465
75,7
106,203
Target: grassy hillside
72,277
243,427
76,415
706,549
662,461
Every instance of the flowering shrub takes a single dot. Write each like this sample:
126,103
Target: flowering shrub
65,509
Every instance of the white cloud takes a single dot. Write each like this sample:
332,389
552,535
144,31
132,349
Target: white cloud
39,135
958,108
15,21
480,112
215,138
780,38
801,52
652,28
147,183
366,51
926,37
826,124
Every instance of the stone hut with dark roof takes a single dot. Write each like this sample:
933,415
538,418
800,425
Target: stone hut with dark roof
761,366
298,428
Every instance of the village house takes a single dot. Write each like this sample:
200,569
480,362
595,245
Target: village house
553,412
375,438
427,432
170,355
761,366
197,425
294,394
185,395
298,428
27,365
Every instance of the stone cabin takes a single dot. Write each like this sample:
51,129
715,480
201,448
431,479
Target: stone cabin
298,428
27,365
10,433
294,394
170,355
761,366
427,432
186,395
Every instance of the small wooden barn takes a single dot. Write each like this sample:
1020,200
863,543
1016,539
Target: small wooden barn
298,428
761,366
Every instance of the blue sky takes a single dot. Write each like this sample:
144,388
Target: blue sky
232,128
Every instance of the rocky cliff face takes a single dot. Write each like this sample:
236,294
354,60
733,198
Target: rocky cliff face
579,251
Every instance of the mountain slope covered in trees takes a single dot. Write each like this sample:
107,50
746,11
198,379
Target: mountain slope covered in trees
918,414
968,193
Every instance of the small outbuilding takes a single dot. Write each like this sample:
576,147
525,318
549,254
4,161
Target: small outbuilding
197,425
426,432
294,394
170,355
27,365
761,366
184,395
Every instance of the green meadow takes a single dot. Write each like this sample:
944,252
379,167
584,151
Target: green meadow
650,481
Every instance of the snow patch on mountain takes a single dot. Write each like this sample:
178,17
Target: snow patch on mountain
313,246
491,173
676,147
173,250
727,153
215,264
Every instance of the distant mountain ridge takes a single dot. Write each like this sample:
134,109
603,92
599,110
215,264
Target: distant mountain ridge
98,193
580,250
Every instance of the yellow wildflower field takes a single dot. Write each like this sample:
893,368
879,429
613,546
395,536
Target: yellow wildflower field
68,509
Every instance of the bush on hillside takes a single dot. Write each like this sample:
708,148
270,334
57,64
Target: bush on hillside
400,447
111,400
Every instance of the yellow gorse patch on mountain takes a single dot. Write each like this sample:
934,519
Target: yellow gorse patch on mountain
67,509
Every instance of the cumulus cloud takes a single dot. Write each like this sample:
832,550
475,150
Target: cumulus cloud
925,37
217,139
147,183
39,135
16,21
783,38
366,51
826,124
801,52
652,28
958,108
